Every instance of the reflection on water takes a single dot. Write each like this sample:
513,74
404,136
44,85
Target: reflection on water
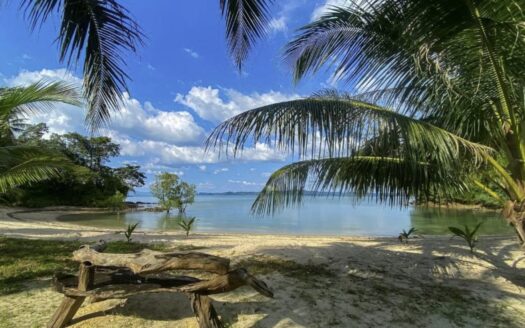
435,221
317,216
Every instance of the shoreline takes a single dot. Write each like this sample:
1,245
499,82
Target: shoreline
47,219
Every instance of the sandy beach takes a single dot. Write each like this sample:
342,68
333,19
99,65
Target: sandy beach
318,281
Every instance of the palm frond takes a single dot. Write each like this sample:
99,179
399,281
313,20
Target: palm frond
336,125
99,31
36,98
389,180
246,22
24,165
18,103
430,55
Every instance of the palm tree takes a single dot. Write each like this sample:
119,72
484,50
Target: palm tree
101,31
21,164
441,93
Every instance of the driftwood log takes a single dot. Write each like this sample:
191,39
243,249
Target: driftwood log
107,276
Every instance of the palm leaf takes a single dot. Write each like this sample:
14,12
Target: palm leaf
335,125
476,228
458,232
18,103
36,98
24,164
390,180
246,22
425,57
99,31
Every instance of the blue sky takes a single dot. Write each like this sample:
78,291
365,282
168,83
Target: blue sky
183,84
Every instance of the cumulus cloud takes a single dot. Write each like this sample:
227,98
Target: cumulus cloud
154,138
147,122
326,6
223,169
163,153
142,120
278,25
209,105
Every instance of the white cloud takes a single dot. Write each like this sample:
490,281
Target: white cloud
146,122
224,169
326,7
266,174
245,183
143,121
151,67
278,25
163,153
154,138
191,53
209,105
26,57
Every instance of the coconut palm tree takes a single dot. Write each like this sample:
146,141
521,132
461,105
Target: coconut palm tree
101,31
438,90
21,164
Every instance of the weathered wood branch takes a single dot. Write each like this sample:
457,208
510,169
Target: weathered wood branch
205,312
122,287
148,261
106,276
70,304
228,282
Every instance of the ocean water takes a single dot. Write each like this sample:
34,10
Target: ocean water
316,216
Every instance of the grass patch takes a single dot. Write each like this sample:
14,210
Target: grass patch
27,259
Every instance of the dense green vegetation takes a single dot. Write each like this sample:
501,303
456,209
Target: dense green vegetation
90,182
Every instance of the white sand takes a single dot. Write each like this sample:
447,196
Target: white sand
318,282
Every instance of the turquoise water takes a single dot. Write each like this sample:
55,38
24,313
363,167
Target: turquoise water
317,216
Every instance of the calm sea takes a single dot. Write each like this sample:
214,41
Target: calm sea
316,216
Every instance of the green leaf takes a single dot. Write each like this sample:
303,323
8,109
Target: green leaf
246,22
99,31
389,180
335,125
458,232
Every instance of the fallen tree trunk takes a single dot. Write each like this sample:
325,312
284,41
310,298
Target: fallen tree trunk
134,284
148,261
108,276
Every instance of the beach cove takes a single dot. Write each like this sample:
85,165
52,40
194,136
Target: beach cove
432,281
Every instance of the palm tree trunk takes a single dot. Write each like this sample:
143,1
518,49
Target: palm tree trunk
518,223
514,212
